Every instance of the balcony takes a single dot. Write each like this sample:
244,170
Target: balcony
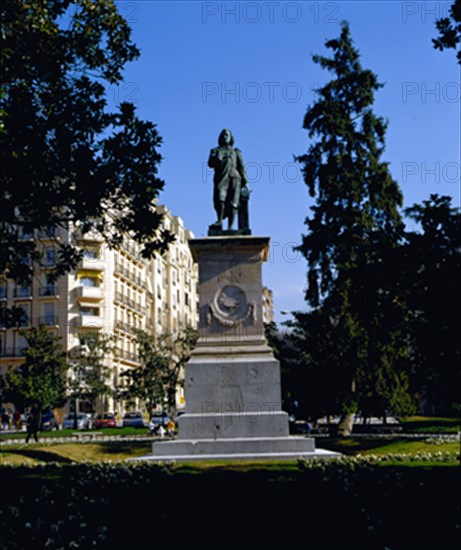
48,291
96,264
11,352
90,236
119,297
120,269
88,321
89,293
49,320
22,292
128,356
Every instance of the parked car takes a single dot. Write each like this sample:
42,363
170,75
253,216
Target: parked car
105,420
133,420
160,418
48,421
83,421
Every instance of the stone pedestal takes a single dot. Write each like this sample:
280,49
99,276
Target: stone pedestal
232,381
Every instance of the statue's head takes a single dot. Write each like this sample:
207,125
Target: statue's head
225,138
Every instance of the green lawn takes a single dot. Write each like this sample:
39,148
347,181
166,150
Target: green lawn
68,433
430,424
121,450
377,446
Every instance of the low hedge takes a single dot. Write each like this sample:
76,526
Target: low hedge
346,503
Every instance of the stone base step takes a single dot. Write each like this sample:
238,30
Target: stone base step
236,445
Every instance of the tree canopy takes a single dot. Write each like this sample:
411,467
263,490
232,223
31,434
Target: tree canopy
41,379
450,30
66,158
353,325
162,357
431,264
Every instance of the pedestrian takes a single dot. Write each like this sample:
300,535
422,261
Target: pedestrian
170,427
308,428
152,427
5,420
32,425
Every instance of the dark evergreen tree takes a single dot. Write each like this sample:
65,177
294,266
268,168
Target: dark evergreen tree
65,157
353,231
431,265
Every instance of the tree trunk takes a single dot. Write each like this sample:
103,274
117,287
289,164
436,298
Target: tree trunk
346,425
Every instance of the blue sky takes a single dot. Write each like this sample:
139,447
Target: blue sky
247,66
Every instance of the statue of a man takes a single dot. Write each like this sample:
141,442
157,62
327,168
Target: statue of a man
229,178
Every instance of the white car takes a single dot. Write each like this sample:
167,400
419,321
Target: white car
83,421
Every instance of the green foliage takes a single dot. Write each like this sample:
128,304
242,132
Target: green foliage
299,396
66,158
431,263
450,30
40,380
370,506
163,358
352,333
90,378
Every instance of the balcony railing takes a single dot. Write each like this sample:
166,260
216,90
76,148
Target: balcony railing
22,292
88,321
129,328
49,290
128,355
120,269
49,320
11,352
130,303
90,293
92,263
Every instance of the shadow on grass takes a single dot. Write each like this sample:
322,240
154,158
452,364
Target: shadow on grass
354,446
42,455
435,425
124,447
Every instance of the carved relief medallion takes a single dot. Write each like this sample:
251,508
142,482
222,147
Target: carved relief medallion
230,306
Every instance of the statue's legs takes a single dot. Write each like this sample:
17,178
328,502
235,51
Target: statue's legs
232,214
220,212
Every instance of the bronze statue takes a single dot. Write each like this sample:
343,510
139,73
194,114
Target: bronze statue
230,184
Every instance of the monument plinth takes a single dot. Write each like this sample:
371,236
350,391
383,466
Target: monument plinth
232,381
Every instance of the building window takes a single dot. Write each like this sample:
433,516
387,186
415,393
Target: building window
22,291
24,314
50,256
49,288
91,253
90,311
90,281
21,343
49,317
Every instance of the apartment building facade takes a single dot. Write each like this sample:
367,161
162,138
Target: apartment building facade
111,290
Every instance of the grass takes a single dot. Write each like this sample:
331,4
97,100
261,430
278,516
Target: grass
383,446
122,450
73,452
430,424
68,433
